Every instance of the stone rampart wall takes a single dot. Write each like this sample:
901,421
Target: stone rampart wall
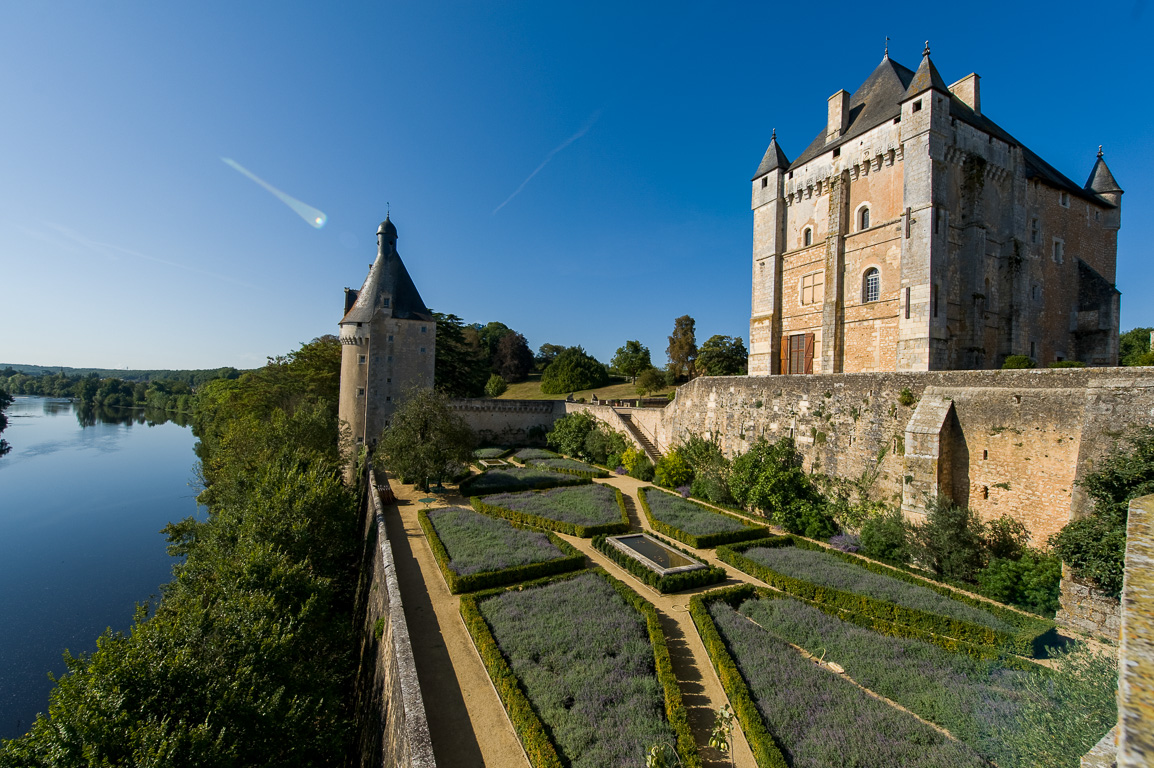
1084,608
394,728
510,422
1136,658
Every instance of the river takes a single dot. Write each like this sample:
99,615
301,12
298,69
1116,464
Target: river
83,497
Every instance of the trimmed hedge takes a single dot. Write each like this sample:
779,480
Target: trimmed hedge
766,751
1033,634
525,455
533,480
704,541
491,453
534,737
573,560
566,466
673,582
536,521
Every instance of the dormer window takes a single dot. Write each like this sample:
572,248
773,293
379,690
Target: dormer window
807,236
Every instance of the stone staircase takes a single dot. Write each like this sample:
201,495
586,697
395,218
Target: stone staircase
646,444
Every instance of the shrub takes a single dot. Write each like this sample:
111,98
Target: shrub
673,582
573,370
637,464
569,433
886,537
1005,538
693,524
570,467
672,470
846,542
906,397
769,478
1018,361
509,479
1031,581
602,443
496,386
1066,364
651,380
526,455
949,542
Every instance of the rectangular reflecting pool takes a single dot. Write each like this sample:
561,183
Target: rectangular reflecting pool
653,554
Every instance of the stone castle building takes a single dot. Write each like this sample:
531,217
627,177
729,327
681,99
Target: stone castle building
388,342
915,234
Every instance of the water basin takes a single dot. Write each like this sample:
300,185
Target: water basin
653,554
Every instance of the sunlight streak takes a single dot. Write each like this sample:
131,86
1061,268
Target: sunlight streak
313,217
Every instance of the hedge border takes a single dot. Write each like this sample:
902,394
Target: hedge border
525,462
539,748
705,541
673,582
537,521
767,753
504,452
571,560
1030,639
592,473
562,480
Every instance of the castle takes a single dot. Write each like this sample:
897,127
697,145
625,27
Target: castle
388,342
915,234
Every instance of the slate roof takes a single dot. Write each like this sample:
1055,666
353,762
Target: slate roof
774,159
388,276
878,100
1101,180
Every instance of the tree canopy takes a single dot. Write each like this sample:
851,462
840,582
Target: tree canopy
426,440
631,359
461,368
513,359
1134,347
573,370
546,353
722,356
682,349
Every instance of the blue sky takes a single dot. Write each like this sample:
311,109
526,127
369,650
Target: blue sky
577,171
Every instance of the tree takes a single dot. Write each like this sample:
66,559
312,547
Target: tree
496,386
5,401
546,354
1134,347
426,439
722,356
460,369
769,478
951,540
513,359
651,380
490,334
573,370
682,349
631,359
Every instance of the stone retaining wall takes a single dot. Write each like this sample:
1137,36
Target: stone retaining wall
1085,609
509,422
1136,657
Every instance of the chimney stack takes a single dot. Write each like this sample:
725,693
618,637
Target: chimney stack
838,116
967,90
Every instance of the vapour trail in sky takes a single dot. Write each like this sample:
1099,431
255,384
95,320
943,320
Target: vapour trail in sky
312,216
584,130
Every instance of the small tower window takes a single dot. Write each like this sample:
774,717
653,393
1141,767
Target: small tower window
390,338
423,329
360,391
422,350
362,359
1059,251
917,106
807,236
870,285
1034,231
386,303
1064,199
764,182
863,218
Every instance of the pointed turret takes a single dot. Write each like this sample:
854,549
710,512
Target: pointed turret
926,77
1102,181
773,160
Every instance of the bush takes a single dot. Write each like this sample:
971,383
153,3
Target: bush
570,432
496,386
710,469
637,464
906,397
1017,362
672,582
769,478
672,470
1030,582
602,443
1066,364
573,370
651,380
949,543
886,537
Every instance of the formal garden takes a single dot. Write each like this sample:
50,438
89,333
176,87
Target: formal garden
583,511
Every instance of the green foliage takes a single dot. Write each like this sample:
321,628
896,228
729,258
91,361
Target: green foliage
906,397
602,443
710,468
573,370
1066,364
513,479
950,542
886,537
570,467
560,510
673,582
769,478
1031,581
637,464
247,659
1095,545
682,349
461,367
513,359
570,559
496,386
672,470
1026,640
546,354
570,432
722,356
651,380
631,359
426,440
1134,347
1018,362
5,401
709,527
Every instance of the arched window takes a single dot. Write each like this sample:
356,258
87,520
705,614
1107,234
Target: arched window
870,285
863,218
807,236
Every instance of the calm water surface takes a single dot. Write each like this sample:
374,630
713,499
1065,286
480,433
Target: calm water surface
81,508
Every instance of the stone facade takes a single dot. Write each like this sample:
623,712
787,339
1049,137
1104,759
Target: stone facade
388,342
509,422
1083,608
1136,656
915,234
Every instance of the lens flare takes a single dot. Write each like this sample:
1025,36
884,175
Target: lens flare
313,217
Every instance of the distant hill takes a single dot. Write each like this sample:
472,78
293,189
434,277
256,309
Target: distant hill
191,375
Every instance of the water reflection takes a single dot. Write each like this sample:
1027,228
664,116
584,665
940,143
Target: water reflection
91,415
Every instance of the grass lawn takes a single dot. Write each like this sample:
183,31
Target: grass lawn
617,389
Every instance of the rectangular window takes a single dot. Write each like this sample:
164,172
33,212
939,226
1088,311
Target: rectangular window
386,303
935,300
390,338
1034,231
362,359
388,398
1064,199
797,353
423,329
389,359
1034,349
422,350
1059,251
764,182
813,288
917,106
907,302
360,391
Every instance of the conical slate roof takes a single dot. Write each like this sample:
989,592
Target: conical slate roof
876,101
774,159
388,278
926,77
1101,180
